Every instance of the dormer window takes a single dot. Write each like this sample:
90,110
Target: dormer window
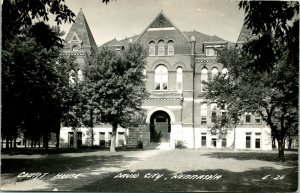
210,51
161,48
152,48
170,48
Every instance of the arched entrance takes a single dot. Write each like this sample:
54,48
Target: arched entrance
160,127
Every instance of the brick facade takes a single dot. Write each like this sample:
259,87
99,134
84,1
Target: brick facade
180,110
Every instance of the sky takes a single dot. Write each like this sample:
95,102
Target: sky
124,18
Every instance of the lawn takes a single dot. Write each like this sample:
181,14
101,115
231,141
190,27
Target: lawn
148,171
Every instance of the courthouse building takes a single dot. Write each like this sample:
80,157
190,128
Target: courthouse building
176,111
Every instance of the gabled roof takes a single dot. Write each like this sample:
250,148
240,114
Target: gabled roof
161,21
124,42
80,31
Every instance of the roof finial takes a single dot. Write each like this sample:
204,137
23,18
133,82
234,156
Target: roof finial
161,11
80,9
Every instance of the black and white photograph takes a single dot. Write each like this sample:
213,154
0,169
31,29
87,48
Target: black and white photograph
149,95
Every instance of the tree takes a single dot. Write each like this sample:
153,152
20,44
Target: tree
31,82
273,95
117,86
269,20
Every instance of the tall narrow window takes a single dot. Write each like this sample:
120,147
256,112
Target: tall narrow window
161,78
170,48
248,118
224,142
248,140
257,140
203,113
151,48
179,79
204,78
203,139
161,48
214,72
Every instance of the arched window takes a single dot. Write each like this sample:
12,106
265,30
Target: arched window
170,48
80,76
204,77
161,48
161,78
179,79
203,113
214,72
152,48
225,72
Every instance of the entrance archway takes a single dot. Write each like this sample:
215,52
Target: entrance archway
160,127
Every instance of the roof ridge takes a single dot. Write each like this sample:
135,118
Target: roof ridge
82,30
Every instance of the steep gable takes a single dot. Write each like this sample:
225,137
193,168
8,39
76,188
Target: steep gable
161,27
80,34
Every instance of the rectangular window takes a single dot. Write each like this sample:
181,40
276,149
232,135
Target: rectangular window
248,118
214,142
203,140
224,142
209,52
203,120
71,139
102,138
248,140
79,138
257,143
257,119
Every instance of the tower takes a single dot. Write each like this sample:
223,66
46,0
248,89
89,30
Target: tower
79,39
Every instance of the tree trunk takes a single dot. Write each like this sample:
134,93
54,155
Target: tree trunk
75,138
45,140
15,143
113,137
92,130
25,143
57,138
11,143
290,143
281,150
7,143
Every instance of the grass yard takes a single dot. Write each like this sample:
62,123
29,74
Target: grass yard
153,171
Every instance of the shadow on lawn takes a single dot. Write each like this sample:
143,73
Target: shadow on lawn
230,181
263,156
54,164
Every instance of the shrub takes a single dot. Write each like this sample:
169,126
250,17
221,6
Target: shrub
180,145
